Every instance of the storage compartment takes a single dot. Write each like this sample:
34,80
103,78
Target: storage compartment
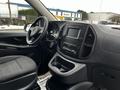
62,65
66,71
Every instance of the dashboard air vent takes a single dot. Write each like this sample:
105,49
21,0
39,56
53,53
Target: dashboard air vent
88,43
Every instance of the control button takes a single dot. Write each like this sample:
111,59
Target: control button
71,50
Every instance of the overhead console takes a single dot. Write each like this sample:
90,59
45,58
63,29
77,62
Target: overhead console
77,40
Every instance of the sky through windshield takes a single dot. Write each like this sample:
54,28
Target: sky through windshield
86,5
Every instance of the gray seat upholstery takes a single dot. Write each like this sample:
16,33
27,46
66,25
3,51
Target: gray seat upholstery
17,72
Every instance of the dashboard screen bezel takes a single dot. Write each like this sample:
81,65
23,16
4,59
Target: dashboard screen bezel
73,37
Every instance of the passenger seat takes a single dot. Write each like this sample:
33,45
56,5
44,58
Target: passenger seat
17,72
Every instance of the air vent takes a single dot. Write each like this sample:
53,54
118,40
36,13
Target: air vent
88,43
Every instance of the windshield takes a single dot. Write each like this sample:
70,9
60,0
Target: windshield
105,12
15,14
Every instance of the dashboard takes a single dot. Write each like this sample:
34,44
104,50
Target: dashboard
86,43
75,40
81,46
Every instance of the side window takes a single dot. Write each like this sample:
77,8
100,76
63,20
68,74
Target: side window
15,14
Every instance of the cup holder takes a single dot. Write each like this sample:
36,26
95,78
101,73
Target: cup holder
67,71
62,65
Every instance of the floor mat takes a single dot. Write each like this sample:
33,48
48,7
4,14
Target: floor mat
43,79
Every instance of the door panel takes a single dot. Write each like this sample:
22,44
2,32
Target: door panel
13,43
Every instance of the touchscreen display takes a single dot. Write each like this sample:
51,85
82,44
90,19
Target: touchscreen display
73,33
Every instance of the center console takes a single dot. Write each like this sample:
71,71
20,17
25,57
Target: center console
66,71
76,41
72,38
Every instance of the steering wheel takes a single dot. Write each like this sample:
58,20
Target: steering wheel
37,30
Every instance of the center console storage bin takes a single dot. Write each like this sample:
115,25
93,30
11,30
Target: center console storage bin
66,71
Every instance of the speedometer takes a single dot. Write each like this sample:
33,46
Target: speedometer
53,31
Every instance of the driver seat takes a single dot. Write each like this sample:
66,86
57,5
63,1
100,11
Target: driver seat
17,72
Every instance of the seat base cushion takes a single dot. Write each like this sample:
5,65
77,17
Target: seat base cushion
17,72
